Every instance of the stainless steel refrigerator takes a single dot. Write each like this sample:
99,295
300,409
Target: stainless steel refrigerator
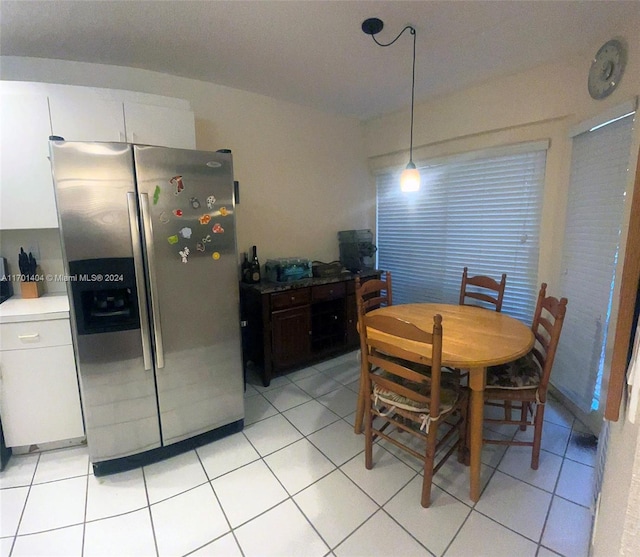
149,244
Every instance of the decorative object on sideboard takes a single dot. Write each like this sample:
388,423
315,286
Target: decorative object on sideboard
357,250
30,286
328,270
288,269
410,178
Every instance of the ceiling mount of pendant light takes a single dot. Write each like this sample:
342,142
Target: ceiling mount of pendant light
410,178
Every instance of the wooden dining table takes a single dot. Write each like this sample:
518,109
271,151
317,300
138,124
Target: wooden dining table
473,339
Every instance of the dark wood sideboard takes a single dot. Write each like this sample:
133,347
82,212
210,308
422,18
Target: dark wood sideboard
291,325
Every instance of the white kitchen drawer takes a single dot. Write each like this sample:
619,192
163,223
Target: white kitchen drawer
39,396
35,334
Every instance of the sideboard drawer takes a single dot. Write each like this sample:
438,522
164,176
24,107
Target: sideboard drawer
35,334
328,291
290,298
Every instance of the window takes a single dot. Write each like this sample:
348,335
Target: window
599,172
481,211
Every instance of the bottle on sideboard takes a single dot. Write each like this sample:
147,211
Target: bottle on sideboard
245,270
255,266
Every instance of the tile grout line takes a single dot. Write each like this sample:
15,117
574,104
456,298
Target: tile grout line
24,506
86,504
153,528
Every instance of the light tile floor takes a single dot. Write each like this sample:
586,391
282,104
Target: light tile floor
293,483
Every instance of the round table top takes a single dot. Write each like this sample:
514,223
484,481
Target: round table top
471,336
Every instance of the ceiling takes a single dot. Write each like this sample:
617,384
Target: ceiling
313,52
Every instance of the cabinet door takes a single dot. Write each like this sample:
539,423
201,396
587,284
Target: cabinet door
26,189
85,114
353,337
290,336
40,396
159,125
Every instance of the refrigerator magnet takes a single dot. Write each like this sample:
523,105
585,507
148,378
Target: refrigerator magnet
199,246
215,255
184,254
204,219
173,239
164,218
185,232
195,204
211,201
156,195
178,212
177,182
206,239
217,229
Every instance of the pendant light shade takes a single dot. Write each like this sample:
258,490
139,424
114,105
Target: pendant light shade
410,178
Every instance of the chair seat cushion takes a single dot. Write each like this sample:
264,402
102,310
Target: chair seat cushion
448,397
523,373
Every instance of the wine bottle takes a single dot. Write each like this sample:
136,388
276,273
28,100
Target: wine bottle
245,270
255,266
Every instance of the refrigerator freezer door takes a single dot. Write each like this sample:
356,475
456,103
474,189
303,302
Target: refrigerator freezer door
189,226
94,185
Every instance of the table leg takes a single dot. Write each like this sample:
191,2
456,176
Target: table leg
477,378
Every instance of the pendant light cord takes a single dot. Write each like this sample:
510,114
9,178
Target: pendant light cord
413,77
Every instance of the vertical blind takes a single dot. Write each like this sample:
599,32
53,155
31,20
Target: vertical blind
595,206
482,213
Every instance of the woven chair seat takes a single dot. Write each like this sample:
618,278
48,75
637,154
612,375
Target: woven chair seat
523,373
448,397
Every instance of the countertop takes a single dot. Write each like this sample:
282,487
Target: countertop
266,287
48,306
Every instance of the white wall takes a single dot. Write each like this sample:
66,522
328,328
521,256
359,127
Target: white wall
303,173
543,103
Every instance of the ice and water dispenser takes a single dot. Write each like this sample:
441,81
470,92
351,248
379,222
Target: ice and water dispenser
105,298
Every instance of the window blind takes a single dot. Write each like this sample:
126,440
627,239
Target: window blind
482,213
595,208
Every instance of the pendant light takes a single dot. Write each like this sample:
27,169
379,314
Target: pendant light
410,178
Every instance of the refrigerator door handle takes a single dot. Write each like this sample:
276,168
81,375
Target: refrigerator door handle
140,286
153,288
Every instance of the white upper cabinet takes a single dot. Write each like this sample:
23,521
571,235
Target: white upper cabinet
30,112
159,125
86,114
26,193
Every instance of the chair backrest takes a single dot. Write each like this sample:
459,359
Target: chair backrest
547,326
385,354
374,293
492,293
371,294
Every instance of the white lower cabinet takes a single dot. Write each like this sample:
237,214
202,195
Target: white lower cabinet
39,394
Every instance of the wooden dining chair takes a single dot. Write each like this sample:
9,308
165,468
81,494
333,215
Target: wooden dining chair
372,294
412,403
375,293
483,288
525,381
488,291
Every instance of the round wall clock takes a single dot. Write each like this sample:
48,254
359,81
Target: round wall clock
606,69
